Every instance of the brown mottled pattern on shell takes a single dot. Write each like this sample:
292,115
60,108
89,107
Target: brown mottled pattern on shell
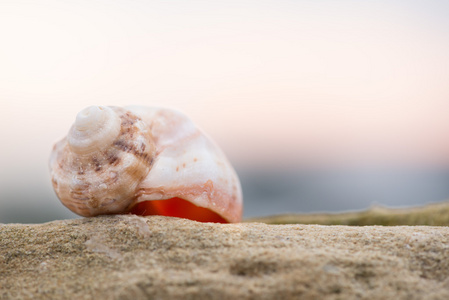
97,175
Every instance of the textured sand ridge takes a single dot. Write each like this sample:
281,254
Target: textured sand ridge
131,257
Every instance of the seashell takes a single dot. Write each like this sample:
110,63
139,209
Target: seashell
143,160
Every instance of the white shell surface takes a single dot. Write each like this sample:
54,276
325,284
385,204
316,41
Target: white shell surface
188,165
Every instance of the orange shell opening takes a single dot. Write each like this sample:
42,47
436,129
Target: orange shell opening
176,207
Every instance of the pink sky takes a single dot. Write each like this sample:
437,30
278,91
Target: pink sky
279,83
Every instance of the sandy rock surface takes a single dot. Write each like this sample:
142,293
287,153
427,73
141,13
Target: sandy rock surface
131,257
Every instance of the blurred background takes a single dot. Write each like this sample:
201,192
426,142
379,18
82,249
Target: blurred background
320,105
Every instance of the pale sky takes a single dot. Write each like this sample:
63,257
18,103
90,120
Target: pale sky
275,83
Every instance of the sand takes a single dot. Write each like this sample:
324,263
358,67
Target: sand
131,257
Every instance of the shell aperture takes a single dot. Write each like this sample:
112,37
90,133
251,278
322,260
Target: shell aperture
143,160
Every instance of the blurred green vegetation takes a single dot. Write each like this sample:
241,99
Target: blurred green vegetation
433,215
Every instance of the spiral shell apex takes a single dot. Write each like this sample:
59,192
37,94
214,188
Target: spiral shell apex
146,161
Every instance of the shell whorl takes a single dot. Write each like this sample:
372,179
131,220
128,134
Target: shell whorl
95,128
97,168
